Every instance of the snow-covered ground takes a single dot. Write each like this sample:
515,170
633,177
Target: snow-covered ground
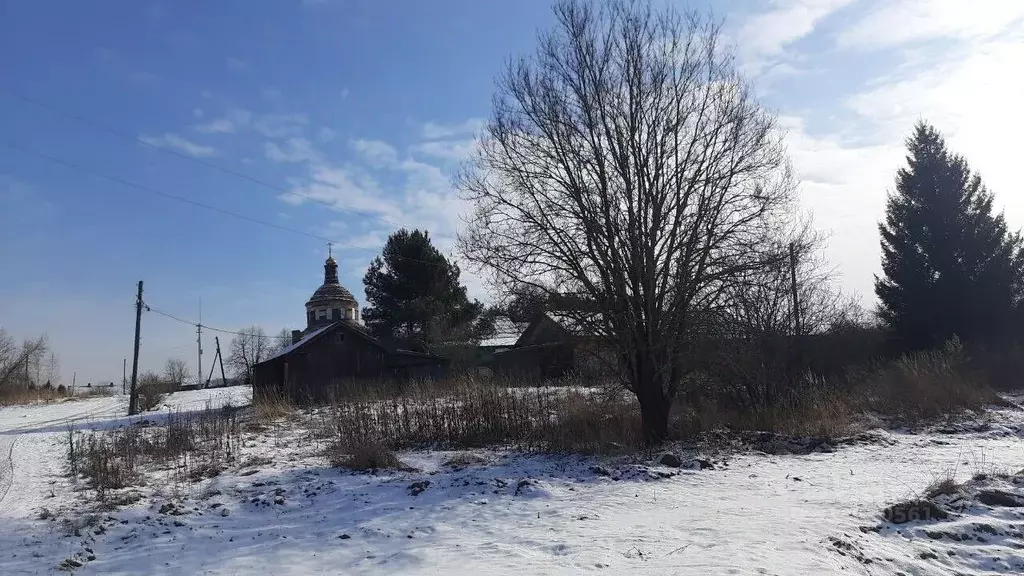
282,511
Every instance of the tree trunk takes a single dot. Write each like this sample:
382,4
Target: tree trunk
654,410
654,403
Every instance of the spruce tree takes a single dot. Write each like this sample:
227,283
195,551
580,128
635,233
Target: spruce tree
414,293
951,267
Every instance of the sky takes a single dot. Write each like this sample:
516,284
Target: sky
210,148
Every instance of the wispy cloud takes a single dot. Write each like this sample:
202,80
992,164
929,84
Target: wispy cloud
446,149
281,125
292,151
377,153
764,36
325,134
174,142
143,77
232,120
439,131
236,64
897,22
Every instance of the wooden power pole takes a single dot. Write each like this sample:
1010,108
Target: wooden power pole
797,327
133,399
220,358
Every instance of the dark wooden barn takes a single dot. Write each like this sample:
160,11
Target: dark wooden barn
340,352
551,346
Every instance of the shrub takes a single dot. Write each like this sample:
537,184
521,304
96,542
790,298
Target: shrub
193,445
364,457
150,397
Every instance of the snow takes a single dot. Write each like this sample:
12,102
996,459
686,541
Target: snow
288,513
287,349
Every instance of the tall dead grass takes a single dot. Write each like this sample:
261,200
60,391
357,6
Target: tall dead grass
188,446
467,413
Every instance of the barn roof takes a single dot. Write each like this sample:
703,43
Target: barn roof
352,328
506,333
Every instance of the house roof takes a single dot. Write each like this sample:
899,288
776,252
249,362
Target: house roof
351,328
506,333
296,345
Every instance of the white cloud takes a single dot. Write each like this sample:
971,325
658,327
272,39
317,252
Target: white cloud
143,77
294,150
375,152
437,131
764,36
446,149
326,134
272,94
217,126
232,120
281,125
174,142
198,112
897,22
847,147
237,64
344,93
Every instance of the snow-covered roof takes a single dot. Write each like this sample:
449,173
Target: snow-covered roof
580,325
305,339
506,333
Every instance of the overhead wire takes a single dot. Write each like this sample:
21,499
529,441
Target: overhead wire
198,204
149,308
223,169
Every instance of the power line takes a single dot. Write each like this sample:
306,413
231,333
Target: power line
167,194
224,211
110,130
191,323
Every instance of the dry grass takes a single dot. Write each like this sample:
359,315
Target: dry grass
13,396
464,460
190,446
270,405
469,414
364,458
942,487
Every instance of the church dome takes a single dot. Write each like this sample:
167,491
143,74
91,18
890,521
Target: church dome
332,292
331,301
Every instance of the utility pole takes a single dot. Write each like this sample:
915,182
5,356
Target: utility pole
124,376
133,399
199,344
797,324
220,358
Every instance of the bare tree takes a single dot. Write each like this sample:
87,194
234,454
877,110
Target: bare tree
176,372
248,348
761,302
628,164
18,363
279,342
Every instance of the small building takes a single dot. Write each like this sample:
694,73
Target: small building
336,348
551,346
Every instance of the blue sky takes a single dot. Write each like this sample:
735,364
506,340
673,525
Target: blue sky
367,106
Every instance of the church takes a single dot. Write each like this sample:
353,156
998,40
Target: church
336,348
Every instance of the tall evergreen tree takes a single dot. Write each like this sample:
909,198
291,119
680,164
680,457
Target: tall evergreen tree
413,292
951,267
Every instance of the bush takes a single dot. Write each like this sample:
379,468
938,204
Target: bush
192,445
150,397
467,414
364,458
923,385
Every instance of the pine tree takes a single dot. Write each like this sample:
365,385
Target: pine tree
951,267
413,292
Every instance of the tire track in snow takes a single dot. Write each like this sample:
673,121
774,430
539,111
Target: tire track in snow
7,456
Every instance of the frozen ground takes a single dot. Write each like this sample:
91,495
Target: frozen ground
283,512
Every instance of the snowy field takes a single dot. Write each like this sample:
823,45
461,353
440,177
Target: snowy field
283,511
